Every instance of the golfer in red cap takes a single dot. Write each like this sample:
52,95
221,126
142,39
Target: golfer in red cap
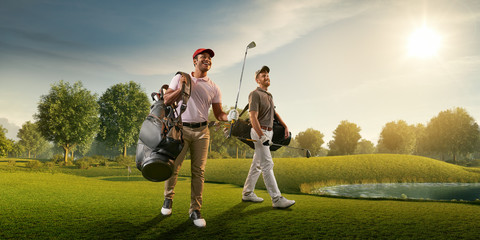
205,93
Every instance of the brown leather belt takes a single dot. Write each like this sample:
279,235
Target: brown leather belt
266,128
194,125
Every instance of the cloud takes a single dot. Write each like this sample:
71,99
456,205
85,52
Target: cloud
12,129
270,24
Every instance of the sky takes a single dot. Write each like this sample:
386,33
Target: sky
330,60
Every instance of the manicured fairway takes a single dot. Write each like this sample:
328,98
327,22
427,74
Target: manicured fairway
37,205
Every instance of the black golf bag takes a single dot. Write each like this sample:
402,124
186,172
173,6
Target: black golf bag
241,128
161,139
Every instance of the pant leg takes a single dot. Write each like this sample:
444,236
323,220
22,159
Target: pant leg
169,190
266,164
255,169
198,152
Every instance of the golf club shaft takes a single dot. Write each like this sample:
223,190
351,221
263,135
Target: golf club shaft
273,144
239,86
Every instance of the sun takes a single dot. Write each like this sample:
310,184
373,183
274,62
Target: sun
423,43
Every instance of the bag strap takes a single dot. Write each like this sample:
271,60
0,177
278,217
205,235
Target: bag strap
186,91
244,110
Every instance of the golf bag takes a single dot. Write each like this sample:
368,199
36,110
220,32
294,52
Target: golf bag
241,128
161,139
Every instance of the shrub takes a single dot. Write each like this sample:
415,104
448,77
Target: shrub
34,164
49,164
84,163
58,158
214,155
100,160
474,163
12,163
125,161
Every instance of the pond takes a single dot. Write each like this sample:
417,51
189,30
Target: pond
431,191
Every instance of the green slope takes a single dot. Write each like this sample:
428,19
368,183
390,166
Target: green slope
302,174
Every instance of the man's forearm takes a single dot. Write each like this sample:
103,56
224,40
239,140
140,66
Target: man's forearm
171,96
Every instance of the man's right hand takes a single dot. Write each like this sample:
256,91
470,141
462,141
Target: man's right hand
266,141
232,115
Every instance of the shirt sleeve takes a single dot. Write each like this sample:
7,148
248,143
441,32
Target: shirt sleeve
253,101
174,84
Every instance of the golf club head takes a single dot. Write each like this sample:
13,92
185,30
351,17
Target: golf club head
308,154
252,45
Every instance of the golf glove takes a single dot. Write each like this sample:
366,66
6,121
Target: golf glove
232,115
265,140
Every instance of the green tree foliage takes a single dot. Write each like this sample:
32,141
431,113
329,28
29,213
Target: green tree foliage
31,139
345,139
123,108
5,143
68,115
17,149
365,147
222,146
419,135
310,139
397,137
453,132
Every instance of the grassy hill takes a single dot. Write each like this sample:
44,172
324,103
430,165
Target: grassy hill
296,175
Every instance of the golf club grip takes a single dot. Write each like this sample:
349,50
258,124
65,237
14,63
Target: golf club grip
230,131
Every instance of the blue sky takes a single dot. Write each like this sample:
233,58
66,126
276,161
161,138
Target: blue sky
330,60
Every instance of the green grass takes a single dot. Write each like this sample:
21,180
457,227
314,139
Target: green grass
60,206
103,203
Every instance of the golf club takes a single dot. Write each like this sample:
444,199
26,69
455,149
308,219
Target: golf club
307,152
250,45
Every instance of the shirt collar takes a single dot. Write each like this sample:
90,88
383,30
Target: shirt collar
204,79
261,90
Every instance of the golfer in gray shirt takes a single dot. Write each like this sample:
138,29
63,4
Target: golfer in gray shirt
262,113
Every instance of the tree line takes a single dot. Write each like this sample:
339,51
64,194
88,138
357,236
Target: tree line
71,119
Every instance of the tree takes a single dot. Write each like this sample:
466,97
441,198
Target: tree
17,149
68,115
453,132
310,139
31,138
123,108
5,143
345,139
365,147
397,137
420,148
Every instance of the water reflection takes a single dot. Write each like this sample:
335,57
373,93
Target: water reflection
433,191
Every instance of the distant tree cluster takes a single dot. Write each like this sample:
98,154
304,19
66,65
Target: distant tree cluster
72,119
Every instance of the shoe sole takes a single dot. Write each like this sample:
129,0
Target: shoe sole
284,207
243,200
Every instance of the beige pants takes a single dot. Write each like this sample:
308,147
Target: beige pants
196,140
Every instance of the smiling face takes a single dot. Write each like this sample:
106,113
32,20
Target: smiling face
263,80
203,62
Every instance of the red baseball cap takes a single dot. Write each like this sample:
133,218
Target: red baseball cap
202,50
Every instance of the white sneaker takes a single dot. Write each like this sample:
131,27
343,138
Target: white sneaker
283,203
198,221
252,197
167,207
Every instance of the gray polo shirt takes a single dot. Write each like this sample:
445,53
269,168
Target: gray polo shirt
261,101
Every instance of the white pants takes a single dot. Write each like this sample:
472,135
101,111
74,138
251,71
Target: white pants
262,163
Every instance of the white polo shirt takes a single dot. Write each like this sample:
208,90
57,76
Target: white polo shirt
204,93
